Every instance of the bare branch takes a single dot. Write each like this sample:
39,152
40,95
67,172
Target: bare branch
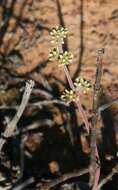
64,178
35,126
105,106
108,177
53,183
12,124
95,170
24,184
39,104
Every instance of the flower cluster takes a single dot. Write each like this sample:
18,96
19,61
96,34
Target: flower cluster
58,34
65,58
68,96
83,83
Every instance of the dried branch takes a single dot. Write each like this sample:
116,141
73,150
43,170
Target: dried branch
53,183
47,102
34,126
105,106
64,178
12,124
39,104
24,184
108,177
94,168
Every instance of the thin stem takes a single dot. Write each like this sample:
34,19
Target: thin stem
78,101
84,117
67,73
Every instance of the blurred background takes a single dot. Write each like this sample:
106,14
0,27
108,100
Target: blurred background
48,125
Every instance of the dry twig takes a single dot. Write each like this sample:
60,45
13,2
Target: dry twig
12,124
64,178
108,177
95,168
53,183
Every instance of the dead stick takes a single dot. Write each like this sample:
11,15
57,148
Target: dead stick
108,177
12,124
65,177
95,170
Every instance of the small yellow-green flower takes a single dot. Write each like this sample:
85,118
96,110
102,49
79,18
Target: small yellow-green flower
65,58
54,54
68,96
58,34
83,84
